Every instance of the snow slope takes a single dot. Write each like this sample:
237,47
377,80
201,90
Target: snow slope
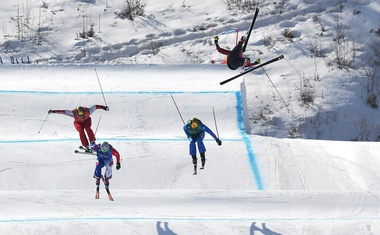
251,184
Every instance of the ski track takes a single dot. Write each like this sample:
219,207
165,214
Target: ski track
239,120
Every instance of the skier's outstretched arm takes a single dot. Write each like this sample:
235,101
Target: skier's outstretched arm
115,153
65,112
221,50
97,106
209,131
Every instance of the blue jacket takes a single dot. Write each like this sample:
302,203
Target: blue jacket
201,129
103,156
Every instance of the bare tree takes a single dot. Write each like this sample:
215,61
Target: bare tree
343,48
242,4
132,9
365,129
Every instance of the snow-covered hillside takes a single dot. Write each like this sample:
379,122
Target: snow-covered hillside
312,97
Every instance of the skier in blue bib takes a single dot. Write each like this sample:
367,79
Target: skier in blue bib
195,131
104,153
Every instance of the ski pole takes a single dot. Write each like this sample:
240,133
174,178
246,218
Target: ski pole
96,130
101,89
177,109
216,126
274,87
43,123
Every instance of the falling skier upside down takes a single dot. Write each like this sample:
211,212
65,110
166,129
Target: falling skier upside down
235,57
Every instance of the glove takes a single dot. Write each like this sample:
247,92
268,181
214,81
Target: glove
219,142
106,108
118,166
51,111
257,61
216,38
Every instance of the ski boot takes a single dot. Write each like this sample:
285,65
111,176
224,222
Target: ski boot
247,64
203,160
195,164
87,149
243,38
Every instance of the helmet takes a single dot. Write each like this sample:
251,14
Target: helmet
194,123
105,147
80,111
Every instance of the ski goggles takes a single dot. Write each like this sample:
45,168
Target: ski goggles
80,112
194,125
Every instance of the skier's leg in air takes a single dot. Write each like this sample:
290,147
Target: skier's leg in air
203,159
87,126
194,157
98,171
83,138
108,173
193,151
235,58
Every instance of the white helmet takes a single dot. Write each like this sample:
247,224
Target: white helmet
105,147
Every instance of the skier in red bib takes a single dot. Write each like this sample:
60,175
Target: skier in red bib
82,122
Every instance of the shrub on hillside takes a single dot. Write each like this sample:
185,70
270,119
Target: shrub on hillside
89,33
242,4
132,9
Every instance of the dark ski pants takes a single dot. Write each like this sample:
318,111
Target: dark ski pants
235,59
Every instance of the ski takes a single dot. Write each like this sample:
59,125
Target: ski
109,194
83,150
250,29
252,69
107,189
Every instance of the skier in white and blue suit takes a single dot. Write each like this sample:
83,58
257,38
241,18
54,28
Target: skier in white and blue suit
195,131
104,152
